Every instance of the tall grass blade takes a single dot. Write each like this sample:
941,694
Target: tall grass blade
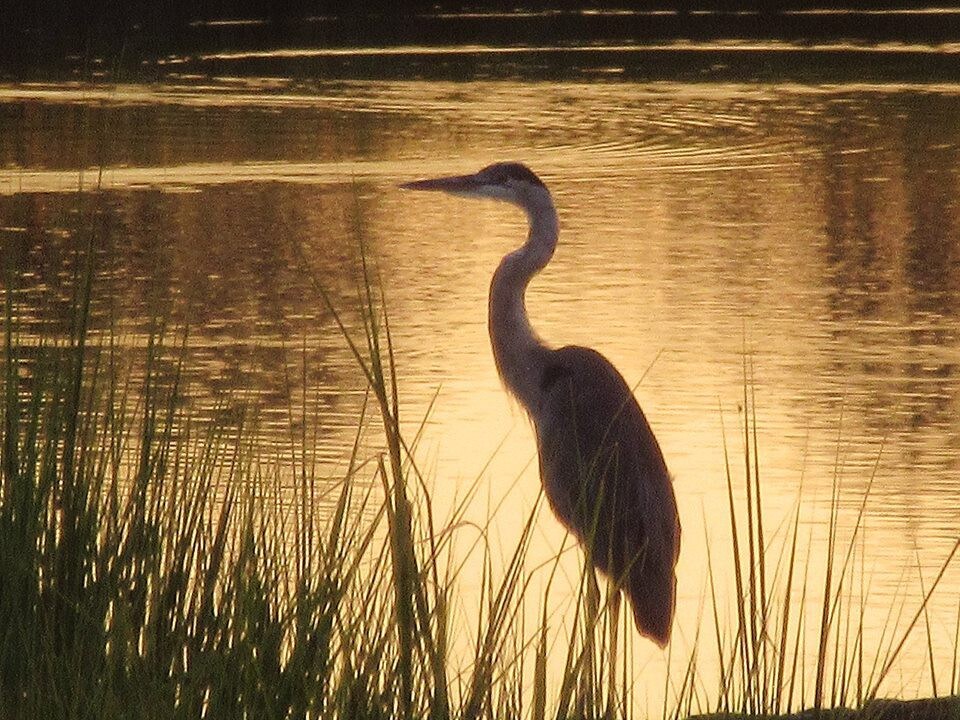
891,657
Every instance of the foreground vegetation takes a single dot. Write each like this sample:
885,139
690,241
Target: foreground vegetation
156,566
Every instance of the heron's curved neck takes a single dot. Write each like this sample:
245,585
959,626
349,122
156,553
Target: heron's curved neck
519,353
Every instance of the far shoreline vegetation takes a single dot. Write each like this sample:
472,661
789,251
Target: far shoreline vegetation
152,566
104,41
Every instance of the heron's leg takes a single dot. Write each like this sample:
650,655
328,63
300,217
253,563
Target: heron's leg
613,603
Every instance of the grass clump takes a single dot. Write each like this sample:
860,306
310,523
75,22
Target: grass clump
799,640
156,565
140,575
153,564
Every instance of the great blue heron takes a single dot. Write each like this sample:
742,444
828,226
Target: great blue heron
600,464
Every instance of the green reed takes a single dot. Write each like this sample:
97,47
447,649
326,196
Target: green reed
153,564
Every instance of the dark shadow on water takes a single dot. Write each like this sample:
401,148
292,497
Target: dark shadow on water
946,708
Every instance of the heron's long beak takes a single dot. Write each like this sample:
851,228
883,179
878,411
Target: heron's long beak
453,184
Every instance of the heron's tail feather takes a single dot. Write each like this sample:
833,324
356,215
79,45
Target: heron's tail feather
652,594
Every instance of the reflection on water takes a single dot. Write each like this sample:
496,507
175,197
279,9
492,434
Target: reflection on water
813,230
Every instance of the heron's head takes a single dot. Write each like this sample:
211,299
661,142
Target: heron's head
510,181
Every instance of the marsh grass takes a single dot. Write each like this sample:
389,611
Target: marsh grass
767,662
154,565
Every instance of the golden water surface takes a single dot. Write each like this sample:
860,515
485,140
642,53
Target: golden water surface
808,236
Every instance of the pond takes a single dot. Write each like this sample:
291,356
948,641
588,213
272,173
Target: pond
797,242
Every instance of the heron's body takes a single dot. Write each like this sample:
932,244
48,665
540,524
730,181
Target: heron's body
601,466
